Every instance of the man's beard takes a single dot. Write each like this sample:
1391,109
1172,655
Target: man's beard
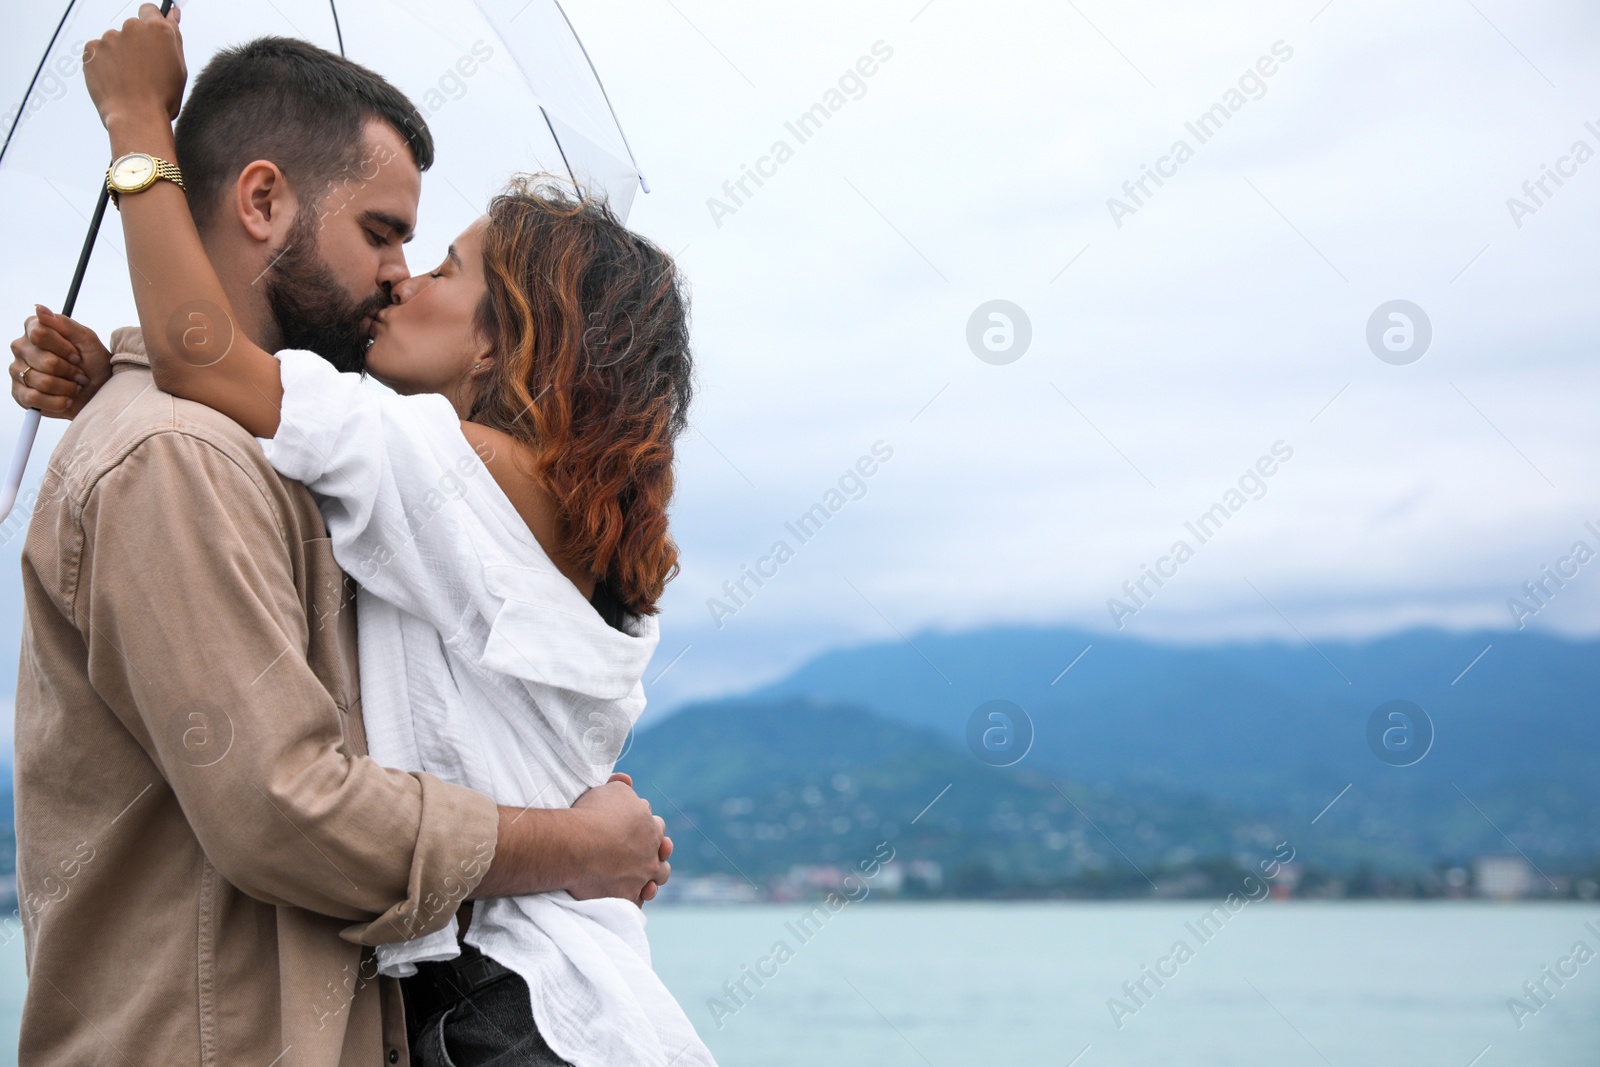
311,309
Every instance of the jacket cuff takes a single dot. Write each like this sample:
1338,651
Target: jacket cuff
454,847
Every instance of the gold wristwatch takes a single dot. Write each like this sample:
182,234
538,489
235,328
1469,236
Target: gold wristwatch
136,172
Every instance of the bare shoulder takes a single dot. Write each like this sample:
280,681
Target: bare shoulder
508,463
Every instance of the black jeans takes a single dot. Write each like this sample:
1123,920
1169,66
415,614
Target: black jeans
491,1027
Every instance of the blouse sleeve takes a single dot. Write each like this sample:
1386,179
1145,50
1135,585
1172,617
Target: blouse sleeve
418,520
396,481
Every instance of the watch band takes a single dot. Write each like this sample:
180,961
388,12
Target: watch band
164,169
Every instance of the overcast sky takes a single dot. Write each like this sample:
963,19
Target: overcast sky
1355,154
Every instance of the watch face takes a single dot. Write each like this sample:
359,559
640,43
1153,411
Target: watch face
131,172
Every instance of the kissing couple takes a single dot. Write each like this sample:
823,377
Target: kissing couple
323,680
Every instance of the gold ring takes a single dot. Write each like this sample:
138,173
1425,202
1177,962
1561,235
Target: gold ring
22,379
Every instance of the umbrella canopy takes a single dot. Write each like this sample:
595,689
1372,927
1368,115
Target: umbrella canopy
521,49
57,134
506,86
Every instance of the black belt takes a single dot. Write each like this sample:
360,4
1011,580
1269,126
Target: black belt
437,987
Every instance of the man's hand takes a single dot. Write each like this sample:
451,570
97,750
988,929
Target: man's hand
64,364
138,70
627,845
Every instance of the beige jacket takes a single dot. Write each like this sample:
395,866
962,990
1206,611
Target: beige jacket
203,847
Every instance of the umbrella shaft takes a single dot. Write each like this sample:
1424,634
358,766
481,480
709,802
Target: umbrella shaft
94,230
30,421
88,249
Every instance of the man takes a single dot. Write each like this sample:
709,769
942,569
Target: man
204,850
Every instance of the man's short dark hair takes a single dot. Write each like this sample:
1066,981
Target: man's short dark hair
293,104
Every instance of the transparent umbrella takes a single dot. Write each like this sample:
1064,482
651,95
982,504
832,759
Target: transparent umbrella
506,86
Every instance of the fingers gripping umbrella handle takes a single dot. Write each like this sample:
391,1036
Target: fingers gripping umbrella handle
30,421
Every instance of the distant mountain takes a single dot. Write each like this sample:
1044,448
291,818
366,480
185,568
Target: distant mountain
754,787
1174,751
1231,718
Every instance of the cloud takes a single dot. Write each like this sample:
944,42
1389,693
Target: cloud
1229,312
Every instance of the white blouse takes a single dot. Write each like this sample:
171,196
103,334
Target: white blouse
482,664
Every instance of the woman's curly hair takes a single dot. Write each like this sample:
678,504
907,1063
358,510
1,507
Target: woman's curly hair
590,327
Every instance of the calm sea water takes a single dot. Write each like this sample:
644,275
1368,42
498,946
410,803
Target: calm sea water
1354,985
949,985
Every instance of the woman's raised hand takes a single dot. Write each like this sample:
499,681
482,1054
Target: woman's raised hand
138,70
59,364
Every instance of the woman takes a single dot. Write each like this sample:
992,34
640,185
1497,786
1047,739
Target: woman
504,511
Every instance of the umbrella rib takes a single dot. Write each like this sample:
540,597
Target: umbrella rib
339,33
603,95
46,57
563,151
